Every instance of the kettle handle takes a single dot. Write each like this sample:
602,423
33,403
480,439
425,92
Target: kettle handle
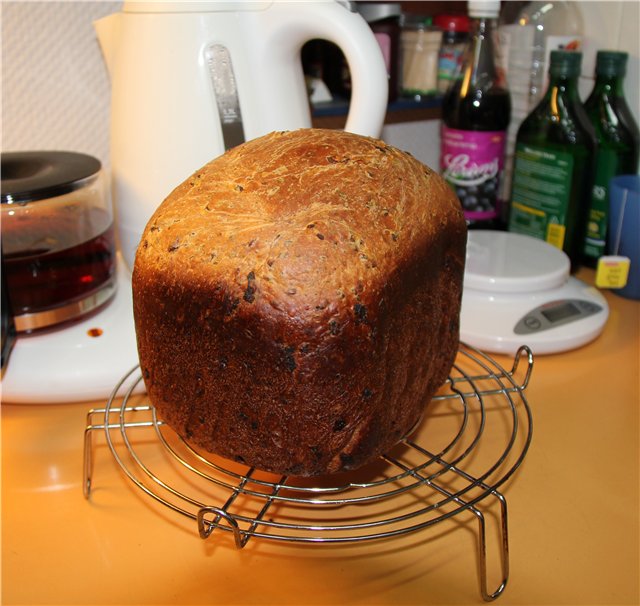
305,20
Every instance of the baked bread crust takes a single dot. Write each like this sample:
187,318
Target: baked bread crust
297,300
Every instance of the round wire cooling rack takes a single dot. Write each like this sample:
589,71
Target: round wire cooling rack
473,437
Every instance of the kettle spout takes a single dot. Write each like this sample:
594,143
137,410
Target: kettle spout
107,32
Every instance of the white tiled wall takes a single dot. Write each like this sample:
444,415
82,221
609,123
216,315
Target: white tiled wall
55,88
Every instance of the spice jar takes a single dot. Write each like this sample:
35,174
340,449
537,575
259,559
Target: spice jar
420,44
455,35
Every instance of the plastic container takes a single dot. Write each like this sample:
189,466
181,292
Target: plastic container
624,225
556,25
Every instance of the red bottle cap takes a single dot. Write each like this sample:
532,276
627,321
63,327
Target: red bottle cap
454,23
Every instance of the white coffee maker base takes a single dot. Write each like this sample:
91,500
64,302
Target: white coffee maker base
80,362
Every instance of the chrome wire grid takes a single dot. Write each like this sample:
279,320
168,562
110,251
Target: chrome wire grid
472,439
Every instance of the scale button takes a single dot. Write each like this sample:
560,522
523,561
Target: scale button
588,306
532,322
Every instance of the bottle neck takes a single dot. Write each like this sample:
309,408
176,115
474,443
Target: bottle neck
566,86
561,95
480,61
482,28
610,85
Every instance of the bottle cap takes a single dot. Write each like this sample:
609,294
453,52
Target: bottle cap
611,63
565,63
484,8
452,23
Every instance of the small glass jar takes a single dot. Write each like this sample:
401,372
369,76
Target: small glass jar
420,44
455,36
58,241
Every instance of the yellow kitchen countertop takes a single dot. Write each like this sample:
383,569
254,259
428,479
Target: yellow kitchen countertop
573,513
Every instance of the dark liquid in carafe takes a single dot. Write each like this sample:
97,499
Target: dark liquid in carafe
45,277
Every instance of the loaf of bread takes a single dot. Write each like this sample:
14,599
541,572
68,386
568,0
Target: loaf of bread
297,300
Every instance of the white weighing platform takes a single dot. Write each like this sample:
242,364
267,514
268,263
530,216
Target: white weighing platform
518,291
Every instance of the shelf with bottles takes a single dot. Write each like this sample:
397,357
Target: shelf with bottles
323,60
333,114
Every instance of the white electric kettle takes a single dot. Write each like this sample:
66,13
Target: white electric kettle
193,78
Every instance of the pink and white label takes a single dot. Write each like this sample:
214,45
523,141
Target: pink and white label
471,162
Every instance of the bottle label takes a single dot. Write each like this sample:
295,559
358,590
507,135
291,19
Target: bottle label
449,61
541,191
606,167
471,162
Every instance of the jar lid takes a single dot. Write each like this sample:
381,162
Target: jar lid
565,63
611,63
452,23
30,176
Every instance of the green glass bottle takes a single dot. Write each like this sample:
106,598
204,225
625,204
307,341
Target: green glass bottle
618,143
554,163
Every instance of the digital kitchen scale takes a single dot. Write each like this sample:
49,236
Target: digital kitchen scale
518,291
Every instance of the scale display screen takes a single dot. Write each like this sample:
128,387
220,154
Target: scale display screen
560,312
554,314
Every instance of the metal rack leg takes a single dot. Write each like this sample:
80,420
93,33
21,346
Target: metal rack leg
87,464
87,456
482,534
482,549
206,527
88,443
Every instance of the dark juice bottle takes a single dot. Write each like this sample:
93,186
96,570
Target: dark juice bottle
554,163
618,143
476,110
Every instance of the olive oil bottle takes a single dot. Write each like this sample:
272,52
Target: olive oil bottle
554,163
618,143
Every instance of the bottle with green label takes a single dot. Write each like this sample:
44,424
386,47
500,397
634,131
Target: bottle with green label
554,163
618,143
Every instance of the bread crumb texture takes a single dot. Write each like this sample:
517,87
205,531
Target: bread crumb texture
297,299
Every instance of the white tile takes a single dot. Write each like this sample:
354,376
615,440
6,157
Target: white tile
601,28
629,41
55,87
420,139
